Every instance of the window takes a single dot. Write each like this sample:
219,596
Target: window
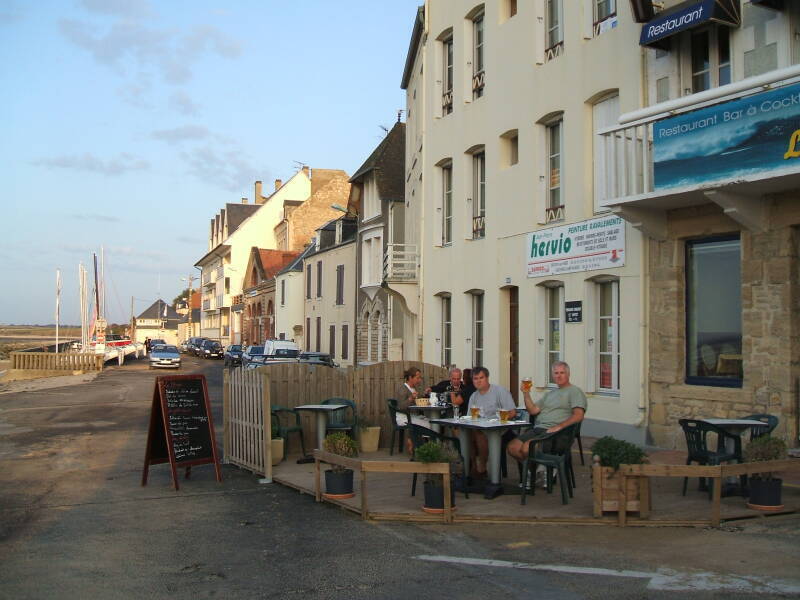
477,329
447,332
447,76
339,284
372,260
714,312
710,58
308,333
319,279
478,75
605,114
608,336
308,282
372,201
554,44
603,9
344,341
283,292
447,205
555,325
509,146
478,195
554,143
332,340
512,8
319,334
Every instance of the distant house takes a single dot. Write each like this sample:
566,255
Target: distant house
289,304
258,295
189,327
159,321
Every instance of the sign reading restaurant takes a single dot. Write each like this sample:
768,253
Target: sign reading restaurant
583,246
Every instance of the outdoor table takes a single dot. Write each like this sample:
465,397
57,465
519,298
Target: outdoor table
432,412
494,431
322,411
734,427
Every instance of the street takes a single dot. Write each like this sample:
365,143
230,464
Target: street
76,523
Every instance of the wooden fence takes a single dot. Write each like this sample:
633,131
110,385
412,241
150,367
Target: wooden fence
291,385
50,361
245,401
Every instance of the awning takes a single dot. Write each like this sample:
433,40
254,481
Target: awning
688,15
776,4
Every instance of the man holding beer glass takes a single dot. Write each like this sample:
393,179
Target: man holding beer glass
487,400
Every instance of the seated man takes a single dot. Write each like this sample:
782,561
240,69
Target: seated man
556,410
489,398
454,388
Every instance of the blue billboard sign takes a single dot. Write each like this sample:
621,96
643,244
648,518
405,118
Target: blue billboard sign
689,15
746,136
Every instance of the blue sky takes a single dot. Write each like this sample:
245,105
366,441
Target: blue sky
128,124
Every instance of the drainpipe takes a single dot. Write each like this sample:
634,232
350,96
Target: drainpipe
644,335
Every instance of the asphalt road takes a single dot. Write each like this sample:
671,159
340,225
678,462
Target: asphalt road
76,523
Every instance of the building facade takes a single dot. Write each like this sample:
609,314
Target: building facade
522,264
709,171
259,319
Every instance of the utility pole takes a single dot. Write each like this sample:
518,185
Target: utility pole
190,333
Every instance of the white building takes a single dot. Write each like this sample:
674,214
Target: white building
522,264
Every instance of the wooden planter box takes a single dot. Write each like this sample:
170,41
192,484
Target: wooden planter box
606,492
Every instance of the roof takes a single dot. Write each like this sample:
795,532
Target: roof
156,311
297,263
387,162
195,316
237,213
416,36
272,261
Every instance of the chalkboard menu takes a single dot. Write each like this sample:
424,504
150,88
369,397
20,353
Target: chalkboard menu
181,427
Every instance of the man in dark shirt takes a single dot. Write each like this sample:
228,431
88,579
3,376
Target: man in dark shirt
457,391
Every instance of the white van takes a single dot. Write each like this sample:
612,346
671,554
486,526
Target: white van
281,349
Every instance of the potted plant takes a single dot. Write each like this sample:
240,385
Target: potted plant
765,489
436,452
369,435
339,479
276,444
609,453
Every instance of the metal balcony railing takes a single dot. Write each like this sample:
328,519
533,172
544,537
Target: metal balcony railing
400,263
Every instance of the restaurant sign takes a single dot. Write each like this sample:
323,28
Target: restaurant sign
583,246
746,136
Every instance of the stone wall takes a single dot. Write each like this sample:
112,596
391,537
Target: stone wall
770,324
316,211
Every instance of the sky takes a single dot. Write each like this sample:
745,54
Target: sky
128,124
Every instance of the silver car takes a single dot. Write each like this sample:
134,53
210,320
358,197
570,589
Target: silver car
165,356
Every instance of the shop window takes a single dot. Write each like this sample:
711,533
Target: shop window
555,326
447,331
714,312
608,353
477,329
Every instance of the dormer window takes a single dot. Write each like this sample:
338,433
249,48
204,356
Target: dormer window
372,201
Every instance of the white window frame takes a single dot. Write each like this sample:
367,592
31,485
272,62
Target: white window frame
447,331
553,129
479,192
715,66
447,204
478,327
372,201
554,28
448,75
614,321
552,355
372,258
605,113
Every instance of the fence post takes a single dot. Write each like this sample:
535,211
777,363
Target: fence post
267,423
226,414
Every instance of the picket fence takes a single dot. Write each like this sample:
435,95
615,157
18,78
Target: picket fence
50,361
251,394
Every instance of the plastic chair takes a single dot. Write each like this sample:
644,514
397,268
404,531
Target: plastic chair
420,435
551,450
580,445
337,420
392,404
696,433
772,423
285,430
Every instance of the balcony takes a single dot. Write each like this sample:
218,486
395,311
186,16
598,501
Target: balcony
730,145
553,214
400,263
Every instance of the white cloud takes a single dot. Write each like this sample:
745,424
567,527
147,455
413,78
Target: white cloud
225,169
183,103
119,8
181,134
120,165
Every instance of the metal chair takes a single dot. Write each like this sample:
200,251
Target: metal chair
771,421
696,433
420,435
553,451
285,430
392,405
338,420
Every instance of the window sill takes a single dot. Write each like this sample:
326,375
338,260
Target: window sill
713,382
606,394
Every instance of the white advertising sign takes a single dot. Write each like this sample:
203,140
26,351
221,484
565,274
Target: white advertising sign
584,246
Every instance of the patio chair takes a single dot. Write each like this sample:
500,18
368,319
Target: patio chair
551,450
580,445
401,429
293,425
420,435
772,423
696,433
338,420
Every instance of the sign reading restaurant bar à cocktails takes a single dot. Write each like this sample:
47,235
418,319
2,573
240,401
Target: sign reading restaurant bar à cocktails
746,136
583,246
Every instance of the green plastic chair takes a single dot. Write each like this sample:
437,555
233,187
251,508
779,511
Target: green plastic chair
293,425
339,420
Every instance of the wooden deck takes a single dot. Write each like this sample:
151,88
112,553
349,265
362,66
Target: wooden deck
389,496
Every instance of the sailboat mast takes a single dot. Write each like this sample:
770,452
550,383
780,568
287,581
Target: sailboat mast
96,287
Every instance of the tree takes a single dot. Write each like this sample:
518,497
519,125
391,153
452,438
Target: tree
181,298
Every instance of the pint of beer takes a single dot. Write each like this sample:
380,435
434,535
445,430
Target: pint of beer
527,384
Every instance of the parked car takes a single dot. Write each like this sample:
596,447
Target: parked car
281,348
210,349
261,360
232,356
165,356
250,352
197,347
317,358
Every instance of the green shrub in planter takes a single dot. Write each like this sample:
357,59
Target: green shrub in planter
343,445
765,448
436,452
613,452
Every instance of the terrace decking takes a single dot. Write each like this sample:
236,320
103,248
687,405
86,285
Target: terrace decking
389,498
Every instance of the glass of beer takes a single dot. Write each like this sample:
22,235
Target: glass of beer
527,384
504,415
475,412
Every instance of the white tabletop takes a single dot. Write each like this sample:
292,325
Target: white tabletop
736,422
469,422
320,406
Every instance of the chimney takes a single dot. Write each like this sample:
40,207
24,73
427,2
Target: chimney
278,184
259,197
306,170
244,200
